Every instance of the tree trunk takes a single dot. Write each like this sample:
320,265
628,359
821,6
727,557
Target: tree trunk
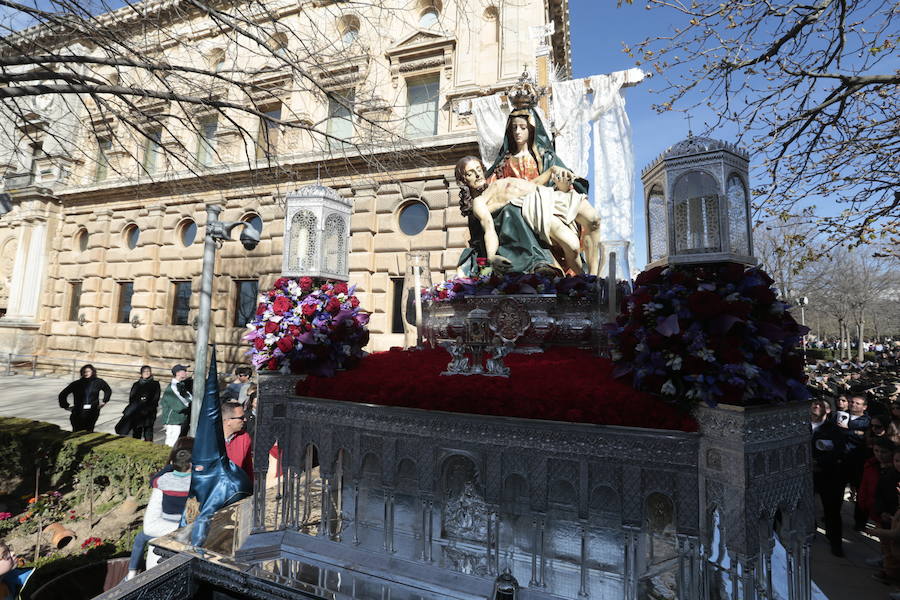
860,348
845,341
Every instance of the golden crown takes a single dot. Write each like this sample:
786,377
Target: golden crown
525,93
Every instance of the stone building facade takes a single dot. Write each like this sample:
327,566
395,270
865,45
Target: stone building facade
101,261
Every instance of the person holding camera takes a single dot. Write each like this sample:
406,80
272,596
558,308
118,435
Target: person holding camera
176,404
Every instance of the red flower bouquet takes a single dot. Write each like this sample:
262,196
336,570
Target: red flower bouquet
714,333
309,327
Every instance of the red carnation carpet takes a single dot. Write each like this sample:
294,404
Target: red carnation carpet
562,384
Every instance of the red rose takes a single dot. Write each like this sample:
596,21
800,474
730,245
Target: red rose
285,344
260,309
481,262
281,282
306,283
271,294
294,330
282,305
733,272
340,288
309,310
272,365
694,365
354,301
650,276
333,306
705,304
732,354
442,294
271,327
260,343
457,287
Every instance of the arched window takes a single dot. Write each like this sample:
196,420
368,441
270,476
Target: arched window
216,59
278,45
429,13
348,27
696,213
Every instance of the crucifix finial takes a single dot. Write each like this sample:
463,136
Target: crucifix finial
690,132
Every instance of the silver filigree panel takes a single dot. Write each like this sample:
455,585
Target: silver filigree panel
335,244
304,234
738,221
656,223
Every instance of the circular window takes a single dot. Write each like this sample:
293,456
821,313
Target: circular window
81,239
132,234
254,220
188,232
413,217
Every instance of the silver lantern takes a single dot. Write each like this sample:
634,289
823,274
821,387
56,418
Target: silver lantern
697,205
317,234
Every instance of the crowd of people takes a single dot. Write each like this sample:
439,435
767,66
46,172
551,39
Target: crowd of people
855,419
148,400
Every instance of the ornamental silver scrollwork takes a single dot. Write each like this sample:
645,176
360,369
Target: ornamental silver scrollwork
510,319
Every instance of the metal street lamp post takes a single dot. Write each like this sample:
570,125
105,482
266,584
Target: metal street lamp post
217,232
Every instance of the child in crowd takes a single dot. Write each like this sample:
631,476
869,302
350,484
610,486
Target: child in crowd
163,514
13,578
878,466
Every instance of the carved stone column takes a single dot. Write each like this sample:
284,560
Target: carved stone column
34,220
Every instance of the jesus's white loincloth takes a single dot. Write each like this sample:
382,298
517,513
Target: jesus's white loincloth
544,204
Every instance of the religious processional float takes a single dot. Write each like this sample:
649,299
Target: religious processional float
558,431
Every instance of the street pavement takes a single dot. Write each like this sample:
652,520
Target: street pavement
845,578
36,399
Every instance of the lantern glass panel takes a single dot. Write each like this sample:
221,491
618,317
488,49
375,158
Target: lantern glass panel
738,220
303,241
696,214
656,224
335,245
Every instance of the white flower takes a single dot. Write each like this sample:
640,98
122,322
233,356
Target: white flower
668,388
674,363
706,354
750,371
641,347
707,287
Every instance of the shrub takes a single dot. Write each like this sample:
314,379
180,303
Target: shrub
69,461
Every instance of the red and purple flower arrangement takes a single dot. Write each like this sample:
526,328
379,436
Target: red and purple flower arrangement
712,333
308,326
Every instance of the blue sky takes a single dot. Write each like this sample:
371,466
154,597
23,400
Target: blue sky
598,30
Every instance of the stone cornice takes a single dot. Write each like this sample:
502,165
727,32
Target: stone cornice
441,150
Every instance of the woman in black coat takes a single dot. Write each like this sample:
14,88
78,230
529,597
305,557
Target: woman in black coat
86,403
140,414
